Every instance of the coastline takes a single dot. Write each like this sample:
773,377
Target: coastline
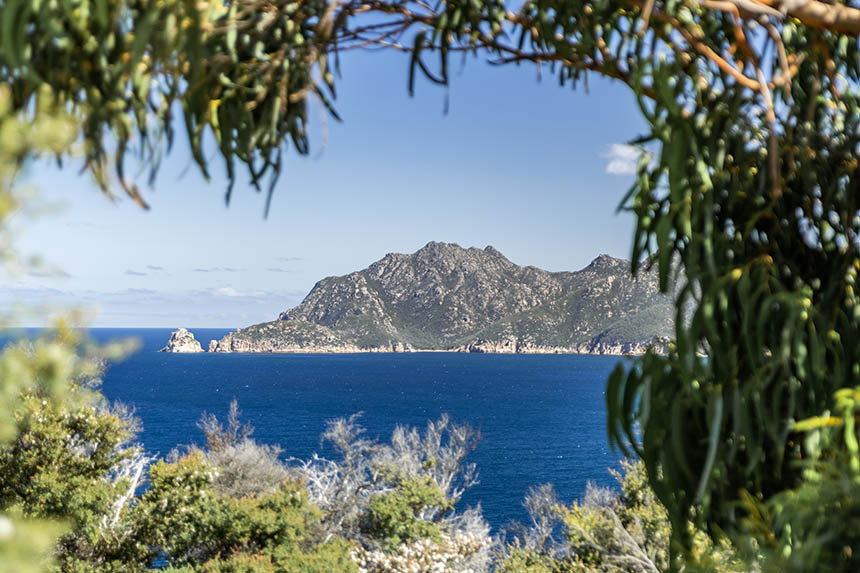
183,342
525,351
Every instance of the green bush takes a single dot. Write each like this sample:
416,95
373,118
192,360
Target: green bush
624,531
524,561
394,517
72,461
194,525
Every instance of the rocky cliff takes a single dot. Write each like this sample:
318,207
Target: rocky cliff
445,297
182,341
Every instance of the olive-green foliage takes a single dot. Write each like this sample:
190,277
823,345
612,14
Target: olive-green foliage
624,531
58,457
795,528
66,463
605,531
194,525
28,547
55,467
240,71
59,368
519,560
394,517
627,532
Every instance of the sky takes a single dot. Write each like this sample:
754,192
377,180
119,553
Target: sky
519,163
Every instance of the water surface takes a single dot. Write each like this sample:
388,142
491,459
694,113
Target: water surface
542,416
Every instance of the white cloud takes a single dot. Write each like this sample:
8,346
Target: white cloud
217,270
231,292
622,159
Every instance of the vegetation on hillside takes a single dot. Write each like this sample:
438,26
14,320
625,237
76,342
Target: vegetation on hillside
445,297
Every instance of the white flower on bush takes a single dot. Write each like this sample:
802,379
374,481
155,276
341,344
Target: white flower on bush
454,552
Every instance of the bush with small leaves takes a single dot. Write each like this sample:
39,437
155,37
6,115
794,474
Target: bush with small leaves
192,524
626,531
244,466
394,517
344,487
73,461
458,552
518,560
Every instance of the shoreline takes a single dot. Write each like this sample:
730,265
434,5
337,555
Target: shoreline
420,351
182,341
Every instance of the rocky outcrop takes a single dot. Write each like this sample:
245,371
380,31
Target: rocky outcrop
479,346
659,345
513,346
182,341
447,298
295,337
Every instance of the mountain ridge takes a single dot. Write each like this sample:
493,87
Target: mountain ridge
444,297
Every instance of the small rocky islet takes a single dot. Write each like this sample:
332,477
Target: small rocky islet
182,341
445,298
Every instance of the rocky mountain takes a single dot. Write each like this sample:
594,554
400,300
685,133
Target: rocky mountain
445,297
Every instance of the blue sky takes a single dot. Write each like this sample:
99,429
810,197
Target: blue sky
526,166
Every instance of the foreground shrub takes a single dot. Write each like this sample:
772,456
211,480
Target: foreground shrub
73,461
244,466
394,517
612,531
390,496
193,524
460,551
625,532
232,505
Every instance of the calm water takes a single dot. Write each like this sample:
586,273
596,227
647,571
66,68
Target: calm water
543,417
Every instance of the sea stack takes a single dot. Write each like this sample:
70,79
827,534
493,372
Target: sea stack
182,341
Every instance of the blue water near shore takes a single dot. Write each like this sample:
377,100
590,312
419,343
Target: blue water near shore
542,417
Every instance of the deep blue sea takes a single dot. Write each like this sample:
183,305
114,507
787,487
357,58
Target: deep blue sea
542,417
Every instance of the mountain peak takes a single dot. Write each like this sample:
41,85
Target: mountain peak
455,254
604,261
439,247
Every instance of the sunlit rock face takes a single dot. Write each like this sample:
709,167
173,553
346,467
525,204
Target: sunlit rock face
182,341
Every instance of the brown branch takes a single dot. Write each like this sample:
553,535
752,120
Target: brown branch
746,8
646,16
812,13
817,14
701,48
783,59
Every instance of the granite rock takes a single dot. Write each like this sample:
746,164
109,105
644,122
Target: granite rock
182,341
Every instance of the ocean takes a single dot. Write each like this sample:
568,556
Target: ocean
542,417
